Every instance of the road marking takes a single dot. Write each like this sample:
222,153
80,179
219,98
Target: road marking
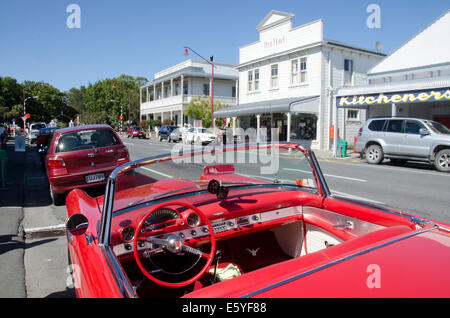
157,172
351,196
328,175
128,144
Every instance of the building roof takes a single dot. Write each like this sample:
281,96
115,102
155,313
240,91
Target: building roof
400,86
283,105
429,47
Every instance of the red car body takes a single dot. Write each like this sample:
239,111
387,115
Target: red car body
135,131
384,253
68,169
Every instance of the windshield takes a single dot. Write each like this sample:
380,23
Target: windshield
86,139
37,126
180,173
437,127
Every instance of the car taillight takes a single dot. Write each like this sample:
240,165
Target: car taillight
360,132
55,162
123,154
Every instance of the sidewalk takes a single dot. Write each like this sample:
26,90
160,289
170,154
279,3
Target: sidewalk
33,245
12,245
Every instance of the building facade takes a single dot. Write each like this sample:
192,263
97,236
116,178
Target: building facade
287,77
172,89
414,81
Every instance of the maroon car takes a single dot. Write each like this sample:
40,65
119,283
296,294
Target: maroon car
82,156
135,131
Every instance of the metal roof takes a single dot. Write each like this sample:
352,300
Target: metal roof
270,106
400,86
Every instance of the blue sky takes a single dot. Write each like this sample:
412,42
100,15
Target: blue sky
142,37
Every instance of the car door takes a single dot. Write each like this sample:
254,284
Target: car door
415,144
394,137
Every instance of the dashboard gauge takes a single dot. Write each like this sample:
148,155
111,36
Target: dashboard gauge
127,234
161,216
193,219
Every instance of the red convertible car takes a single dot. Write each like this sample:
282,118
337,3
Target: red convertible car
246,221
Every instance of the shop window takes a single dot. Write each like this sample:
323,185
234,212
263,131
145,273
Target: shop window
303,126
348,72
274,76
353,114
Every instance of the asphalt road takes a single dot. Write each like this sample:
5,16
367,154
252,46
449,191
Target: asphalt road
37,265
415,188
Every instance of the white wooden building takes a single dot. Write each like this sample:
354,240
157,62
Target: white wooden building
172,89
285,80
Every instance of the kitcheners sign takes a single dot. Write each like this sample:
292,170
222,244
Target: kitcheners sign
434,95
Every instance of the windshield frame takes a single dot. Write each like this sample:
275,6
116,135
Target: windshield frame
108,202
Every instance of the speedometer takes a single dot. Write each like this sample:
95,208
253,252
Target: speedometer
193,219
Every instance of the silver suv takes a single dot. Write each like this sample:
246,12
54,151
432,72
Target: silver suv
403,139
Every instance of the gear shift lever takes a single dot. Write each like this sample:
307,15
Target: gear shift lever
217,258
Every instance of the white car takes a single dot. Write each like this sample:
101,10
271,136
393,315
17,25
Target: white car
199,136
34,130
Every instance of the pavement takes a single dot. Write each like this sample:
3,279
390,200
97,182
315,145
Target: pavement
33,246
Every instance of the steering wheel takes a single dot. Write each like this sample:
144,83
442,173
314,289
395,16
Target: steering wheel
174,244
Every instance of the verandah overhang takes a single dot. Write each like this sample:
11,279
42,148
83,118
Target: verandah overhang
304,105
413,91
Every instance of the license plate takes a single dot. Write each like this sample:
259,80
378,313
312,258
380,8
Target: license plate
95,177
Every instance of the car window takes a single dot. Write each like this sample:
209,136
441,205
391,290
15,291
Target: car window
86,139
37,126
377,125
191,130
413,127
438,127
394,126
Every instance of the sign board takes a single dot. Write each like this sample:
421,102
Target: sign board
434,95
19,143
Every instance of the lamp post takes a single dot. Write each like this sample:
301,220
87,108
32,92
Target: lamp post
25,99
210,62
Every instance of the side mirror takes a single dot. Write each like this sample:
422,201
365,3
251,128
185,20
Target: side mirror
424,131
77,224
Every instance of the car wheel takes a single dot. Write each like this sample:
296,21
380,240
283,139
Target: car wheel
442,160
57,198
374,154
398,162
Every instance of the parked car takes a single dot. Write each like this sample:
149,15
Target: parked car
82,156
135,131
34,131
200,136
171,133
42,142
187,225
403,139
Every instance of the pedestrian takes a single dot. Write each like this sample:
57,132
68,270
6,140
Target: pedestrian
2,135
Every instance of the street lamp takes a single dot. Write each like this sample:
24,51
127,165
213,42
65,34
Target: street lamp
121,115
211,58
25,99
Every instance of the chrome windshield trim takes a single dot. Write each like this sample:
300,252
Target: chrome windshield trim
335,262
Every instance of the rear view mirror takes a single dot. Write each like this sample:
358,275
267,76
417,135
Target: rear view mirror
77,224
423,131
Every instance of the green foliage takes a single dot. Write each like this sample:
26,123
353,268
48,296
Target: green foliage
200,108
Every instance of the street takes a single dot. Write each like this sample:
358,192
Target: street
416,188
34,256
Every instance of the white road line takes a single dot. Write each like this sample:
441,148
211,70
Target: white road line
157,172
128,144
351,196
328,175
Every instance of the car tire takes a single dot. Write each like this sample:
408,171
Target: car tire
442,160
374,154
57,198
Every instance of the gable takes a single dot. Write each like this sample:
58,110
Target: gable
274,18
429,47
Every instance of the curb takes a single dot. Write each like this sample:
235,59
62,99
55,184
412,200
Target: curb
44,232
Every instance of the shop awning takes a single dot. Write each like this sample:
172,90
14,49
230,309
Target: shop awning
422,90
304,104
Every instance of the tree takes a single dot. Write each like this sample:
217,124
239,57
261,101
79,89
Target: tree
200,108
